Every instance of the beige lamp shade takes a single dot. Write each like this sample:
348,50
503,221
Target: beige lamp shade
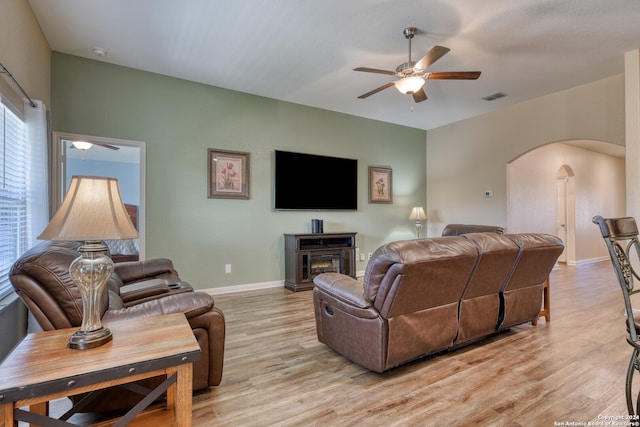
417,213
91,210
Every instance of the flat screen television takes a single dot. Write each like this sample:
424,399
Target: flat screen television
314,182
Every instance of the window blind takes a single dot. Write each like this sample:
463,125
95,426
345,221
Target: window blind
13,191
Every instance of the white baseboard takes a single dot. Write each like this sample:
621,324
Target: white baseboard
254,286
359,274
588,261
244,288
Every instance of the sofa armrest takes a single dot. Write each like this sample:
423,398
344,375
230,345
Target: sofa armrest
206,321
192,304
209,329
343,288
134,271
144,289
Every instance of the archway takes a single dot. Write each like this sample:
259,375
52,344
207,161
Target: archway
595,186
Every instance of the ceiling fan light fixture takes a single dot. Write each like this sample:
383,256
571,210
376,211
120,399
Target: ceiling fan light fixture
409,85
82,145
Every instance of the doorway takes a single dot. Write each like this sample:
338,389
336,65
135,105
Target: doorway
121,159
565,211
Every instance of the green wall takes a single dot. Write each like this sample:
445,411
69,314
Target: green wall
179,120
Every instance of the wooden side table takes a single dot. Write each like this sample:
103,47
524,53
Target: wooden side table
545,311
42,369
546,302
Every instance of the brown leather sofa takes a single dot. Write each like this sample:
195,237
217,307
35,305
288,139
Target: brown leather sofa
460,229
136,289
423,296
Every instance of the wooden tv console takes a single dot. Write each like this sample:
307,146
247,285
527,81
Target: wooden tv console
307,255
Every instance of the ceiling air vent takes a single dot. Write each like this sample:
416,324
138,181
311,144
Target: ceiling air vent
494,96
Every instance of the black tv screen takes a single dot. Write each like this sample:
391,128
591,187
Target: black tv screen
310,182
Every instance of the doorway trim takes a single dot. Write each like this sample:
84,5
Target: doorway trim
58,172
566,212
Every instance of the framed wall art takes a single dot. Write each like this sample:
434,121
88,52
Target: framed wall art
228,174
380,184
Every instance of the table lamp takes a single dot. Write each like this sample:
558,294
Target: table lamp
417,213
92,211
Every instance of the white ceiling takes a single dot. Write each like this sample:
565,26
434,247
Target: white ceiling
124,153
304,51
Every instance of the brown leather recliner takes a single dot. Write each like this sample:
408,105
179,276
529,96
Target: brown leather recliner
136,289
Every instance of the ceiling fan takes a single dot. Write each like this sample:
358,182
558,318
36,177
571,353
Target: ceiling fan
412,75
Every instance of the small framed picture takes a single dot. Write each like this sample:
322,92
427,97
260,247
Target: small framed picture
380,184
228,174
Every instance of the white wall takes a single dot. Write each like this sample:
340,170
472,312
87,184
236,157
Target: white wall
598,189
24,50
468,157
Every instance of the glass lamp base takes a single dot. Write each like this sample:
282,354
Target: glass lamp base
82,340
418,228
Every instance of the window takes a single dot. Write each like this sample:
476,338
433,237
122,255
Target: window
14,170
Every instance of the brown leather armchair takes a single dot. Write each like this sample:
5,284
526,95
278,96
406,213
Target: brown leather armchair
136,289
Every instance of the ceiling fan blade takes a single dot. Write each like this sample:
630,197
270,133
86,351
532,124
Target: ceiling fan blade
420,95
453,75
432,56
376,90
110,147
374,70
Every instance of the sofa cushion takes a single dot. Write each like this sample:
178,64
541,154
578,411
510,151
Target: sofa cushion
479,309
417,263
522,293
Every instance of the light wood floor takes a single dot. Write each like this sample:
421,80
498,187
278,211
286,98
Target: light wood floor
572,369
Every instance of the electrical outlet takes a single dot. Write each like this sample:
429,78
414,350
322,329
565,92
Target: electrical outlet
227,268
369,255
488,194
